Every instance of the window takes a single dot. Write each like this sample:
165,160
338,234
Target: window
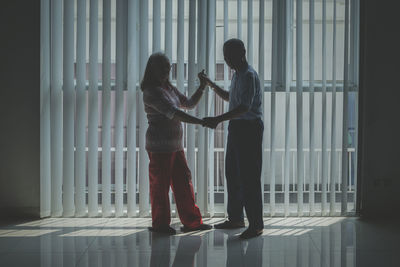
92,110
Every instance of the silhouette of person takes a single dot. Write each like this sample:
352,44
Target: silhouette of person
168,166
244,149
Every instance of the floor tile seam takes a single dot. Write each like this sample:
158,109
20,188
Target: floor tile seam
311,238
91,243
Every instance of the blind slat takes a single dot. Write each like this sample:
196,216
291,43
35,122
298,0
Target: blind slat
324,161
131,104
226,86
299,105
288,71
181,47
191,83
274,81
211,101
261,42
168,48
355,33
312,157
56,112
80,131
156,25
143,158
168,28
239,19
201,62
119,110
69,110
333,167
250,31
106,112
345,112
45,134
93,110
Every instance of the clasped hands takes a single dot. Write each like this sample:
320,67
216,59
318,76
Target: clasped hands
210,122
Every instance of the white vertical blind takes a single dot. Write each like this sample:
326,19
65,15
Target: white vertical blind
143,157
119,110
168,28
180,46
299,105
355,55
288,71
156,25
201,62
312,109
239,19
261,45
106,112
211,101
274,80
250,31
69,110
191,84
226,87
333,167
80,130
93,109
324,161
168,46
133,6
56,108
125,50
345,111
45,144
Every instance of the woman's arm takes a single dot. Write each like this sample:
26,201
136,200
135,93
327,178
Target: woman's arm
184,117
195,98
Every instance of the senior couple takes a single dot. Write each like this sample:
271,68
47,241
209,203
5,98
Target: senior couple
168,166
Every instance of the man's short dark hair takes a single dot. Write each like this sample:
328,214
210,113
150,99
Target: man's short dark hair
235,46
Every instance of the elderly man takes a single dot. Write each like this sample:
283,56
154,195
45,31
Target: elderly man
244,150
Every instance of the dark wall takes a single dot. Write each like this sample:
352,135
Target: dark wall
19,108
379,131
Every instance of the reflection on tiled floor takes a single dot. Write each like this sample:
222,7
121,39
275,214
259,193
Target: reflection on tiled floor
127,242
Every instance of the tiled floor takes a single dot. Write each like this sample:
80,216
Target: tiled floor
127,242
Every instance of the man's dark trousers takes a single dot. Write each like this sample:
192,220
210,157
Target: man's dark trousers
243,171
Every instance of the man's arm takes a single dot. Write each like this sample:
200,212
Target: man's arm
218,90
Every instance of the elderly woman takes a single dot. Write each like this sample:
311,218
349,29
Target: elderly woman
168,166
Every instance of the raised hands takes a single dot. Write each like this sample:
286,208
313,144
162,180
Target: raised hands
204,80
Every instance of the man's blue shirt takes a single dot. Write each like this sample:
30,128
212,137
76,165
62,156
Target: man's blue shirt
245,90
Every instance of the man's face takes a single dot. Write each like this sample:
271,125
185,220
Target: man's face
228,59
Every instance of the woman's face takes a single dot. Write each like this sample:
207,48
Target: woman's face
165,68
